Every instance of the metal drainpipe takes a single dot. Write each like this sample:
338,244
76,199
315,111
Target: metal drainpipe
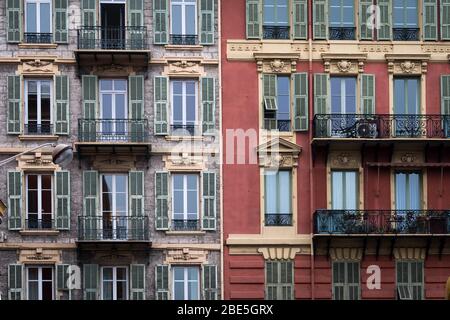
311,184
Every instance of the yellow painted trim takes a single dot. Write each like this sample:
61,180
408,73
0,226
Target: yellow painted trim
261,240
205,246
39,232
38,45
183,48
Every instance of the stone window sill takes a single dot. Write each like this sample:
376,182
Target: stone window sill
188,233
39,232
184,47
38,137
23,45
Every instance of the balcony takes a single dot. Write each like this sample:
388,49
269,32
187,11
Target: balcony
342,33
278,125
32,129
276,32
357,126
185,130
110,229
278,220
183,39
113,136
37,38
405,34
40,224
185,225
112,45
382,222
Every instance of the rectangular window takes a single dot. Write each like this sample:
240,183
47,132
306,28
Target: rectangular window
39,201
185,201
407,108
278,198
410,280
344,190
279,280
114,283
184,95
276,19
346,280
38,21
40,283
113,110
278,115
184,22
38,107
405,16
114,205
343,105
112,15
342,19
408,190
186,283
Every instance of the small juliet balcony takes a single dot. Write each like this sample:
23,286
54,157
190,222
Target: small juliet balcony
98,45
406,34
276,32
113,136
185,225
184,39
37,37
278,220
113,229
342,33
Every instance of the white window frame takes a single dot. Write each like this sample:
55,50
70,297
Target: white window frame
185,197
184,103
39,191
274,8
113,211
38,16
186,280
346,285
343,94
114,281
39,281
113,92
342,23
405,9
39,98
184,4
411,284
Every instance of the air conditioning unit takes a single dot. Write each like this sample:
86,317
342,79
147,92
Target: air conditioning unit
365,129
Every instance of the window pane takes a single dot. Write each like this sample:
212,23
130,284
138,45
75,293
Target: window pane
107,106
178,273
106,85
33,290
31,21
415,194
336,95
120,85
283,99
107,290
120,111
271,192
33,273
176,19
107,274
190,19
107,183
400,191
46,201
269,12
282,12
285,192
399,96
45,18
179,291
413,86
337,190
47,274
351,190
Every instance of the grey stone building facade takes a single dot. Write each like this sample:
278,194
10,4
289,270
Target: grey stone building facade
133,86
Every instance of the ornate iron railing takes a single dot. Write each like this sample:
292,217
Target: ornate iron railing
276,32
185,225
119,228
405,34
342,33
39,224
185,130
34,37
112,130
112,38
278,219
184,39
381,126
382,222
38,129
280,125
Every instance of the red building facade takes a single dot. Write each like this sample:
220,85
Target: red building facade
344,190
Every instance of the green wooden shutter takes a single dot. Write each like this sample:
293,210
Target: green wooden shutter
445,95
162,200
136,21
206,22
137,287
162,282
300,19
210,289
160,21
88,35
208,105
445,19
430,19
14,200
60,17
62,105
270,91
286,283
301,112
14,20
368,94
62,275
136,108
365,14
14,105
320,19
137,222
161,86
15,282
321,100
62,200
90,203
271,280
89,88
209,200
253,19
384,33
90,281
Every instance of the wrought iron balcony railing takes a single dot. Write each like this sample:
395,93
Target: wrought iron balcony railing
184,39
382,222
405,34
342,33
280,220
38,129
120,228
39,224
112,38
185,130
276,32
112,130
280,125
185,225
381,126
40,38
